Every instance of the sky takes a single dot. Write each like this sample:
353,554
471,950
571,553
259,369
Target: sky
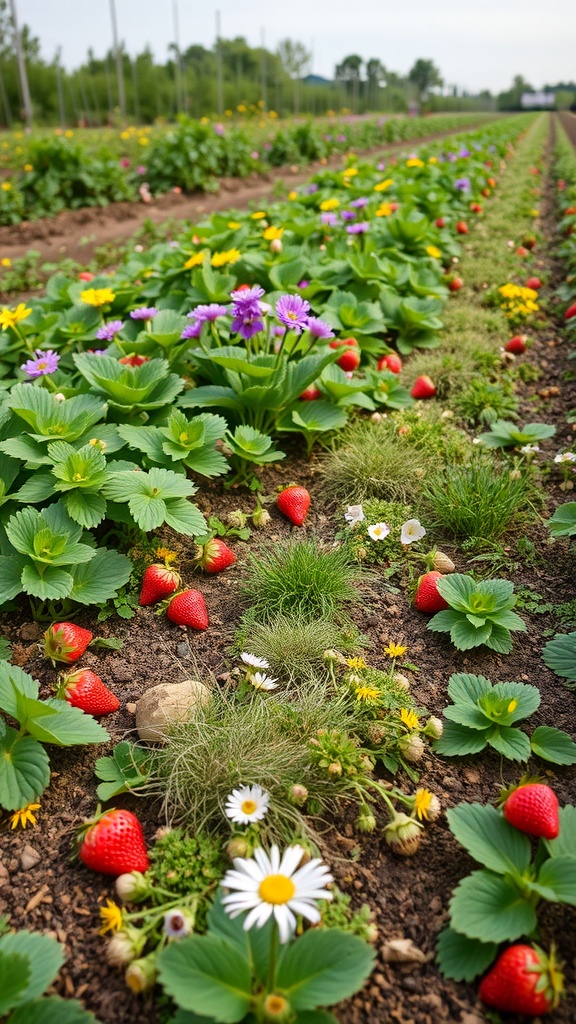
476,44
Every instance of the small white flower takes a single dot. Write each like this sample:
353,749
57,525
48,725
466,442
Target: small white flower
60,397
354,514
565,457
253,660
176,925
268,884
379,531
411,530
477,440
529,449
260,681
247,804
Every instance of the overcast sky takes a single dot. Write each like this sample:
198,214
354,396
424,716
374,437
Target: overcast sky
476,44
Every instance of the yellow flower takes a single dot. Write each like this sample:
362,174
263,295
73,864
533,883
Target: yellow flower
204,120
414,162
124,135
97,296
272,114
234,225
111,918
433,160
220,259
6,186
28,167
271,233
350,172
258,215
68,134
11,317
24,816
195,260
367,693
422,801
143,141
512,706
241,108
383,185
534,213
409,718
356,663
395,650
433,251
384,210
6,262
166,554
330,204
292,196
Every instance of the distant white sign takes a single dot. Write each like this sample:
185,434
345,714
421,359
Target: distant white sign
537,99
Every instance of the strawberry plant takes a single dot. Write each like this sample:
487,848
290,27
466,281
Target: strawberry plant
505,434
29,963
124,770
479,613
499,902
483,714
563,522
559,654
24,766
182,442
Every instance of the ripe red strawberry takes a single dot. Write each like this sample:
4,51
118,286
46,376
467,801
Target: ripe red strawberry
522,251
65,641
455,283
491,182
440,222
486,192
85,275
158,581
423,388
350,359
294,503
570,312
215,555
535,283
517,344
462,227
523,980
310,394
390,362
113,843
189,609
85,690
427,599
475,207
533,808
347,342
134,360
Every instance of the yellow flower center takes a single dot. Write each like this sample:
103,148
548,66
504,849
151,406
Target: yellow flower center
277,889
248,806
275,1005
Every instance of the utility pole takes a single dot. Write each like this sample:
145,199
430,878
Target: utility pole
26,101
5,103
219,70
119,68
178,60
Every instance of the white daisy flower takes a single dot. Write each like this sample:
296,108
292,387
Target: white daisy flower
354,514
379,531
176,924
260,681
269,885
529,449
411,530
253,660
565,457
247,804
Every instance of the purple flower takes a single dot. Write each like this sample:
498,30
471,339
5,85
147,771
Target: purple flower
464,152
319,328
107,332
340,138
247,296
328,138
381,166
219,129
192,331
303,283
255,155
451,157
311,189
211,312
140,169
358,204
124,162
98,351
247,324
463,184
43,363
329,218
279,331
144,313
347,215
292,311
359,228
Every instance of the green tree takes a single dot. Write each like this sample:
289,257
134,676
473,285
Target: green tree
296,61
425,76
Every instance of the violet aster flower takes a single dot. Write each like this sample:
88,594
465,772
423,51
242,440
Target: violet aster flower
98,351
219,129
359,203
329,218
144,313
109,330
451,157
463,184
247,311
464,152
310,189
319,328
347,215
359,228
247,324
247,295
210,313
192,331
44,362
340,138
292,311
303,283
279,331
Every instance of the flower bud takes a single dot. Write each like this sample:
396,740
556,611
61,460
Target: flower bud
238,847
401,680
237,519
361,554
177,924
434,728
261,518
132,887
371,934
403,835
442,563
276,246
412,747
376,417
140,975
125,946
335,769
376,733
276,1008
297,795
365,822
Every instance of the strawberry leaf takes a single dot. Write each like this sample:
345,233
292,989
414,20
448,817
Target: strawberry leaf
461,958
491,908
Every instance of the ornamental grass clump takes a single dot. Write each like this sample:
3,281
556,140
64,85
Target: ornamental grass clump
372,460
294,647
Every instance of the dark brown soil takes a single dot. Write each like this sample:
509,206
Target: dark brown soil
409,896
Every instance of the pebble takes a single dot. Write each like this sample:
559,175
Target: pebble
30,631
29,857
183,650
4,876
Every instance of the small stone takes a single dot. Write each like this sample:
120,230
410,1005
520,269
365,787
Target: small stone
4,876
29,857
183,650
131,708
167,703
402,951
30,631
472,775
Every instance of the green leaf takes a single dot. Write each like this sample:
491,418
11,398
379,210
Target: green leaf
499,640
100,579
205,974
184,517
24,770
488,907
512,743
559,875
46,955
563,522
565,843
53,1010
52,584
559,655
458,741
322,967
15,973
553,745
526,697
85,507
464,635
468,715
68,727
461,958
11,568
124,771
13,681
489,839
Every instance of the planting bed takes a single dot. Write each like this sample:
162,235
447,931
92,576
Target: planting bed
40,889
